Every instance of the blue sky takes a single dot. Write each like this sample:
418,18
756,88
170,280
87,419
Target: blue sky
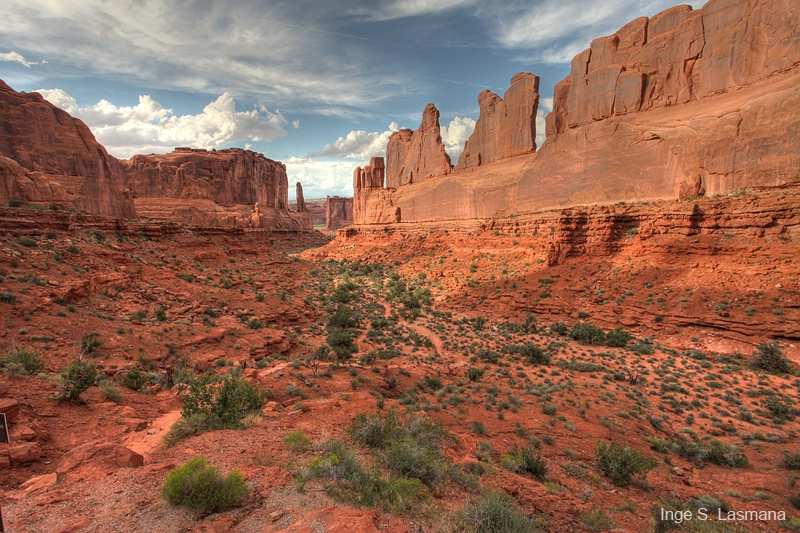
319,85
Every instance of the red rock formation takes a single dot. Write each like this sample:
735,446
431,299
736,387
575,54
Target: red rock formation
211,188
58,160
415,156
679,105
301,202
338,212
506,126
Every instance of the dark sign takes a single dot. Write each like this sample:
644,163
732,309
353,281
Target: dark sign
3,428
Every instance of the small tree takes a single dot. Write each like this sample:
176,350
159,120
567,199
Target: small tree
77,378
769,357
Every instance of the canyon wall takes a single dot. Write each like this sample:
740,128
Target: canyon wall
682,104
212,188
338,212
49,158
412,157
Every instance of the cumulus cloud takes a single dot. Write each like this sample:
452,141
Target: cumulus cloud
456,134
545,106
359,144
15,57
321,178
392,9
149,126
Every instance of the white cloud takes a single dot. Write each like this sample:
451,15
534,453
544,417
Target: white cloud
208,47
545,106
554,31
456,134
148,126
322,178
392,9
359,144
15,57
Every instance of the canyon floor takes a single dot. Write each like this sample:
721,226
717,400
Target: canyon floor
530,340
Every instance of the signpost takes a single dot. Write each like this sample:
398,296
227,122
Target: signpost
3,429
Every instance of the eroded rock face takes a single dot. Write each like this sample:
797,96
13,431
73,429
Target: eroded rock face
58,160
301,202
212,188
338,212
686,103
506,126
416,156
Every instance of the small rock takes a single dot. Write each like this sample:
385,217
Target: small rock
39,482
678,471
23,454
274,516
9,407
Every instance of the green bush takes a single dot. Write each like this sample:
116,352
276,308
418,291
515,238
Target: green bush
110,392
716,452
616,338
200,486
781,408
495,512
411,459
134,379
621,463
214,402
587,334
769,357
297,441
530,351
559,328
23,361
76,379
474,373
525,460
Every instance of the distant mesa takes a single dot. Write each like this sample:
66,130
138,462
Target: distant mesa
49,158
685,103
338,212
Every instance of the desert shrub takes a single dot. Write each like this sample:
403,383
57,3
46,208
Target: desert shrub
474,373
495,512
341,342
587,334
711,507
525,460
110,392
297,441
410,458
769,357
378,430
343,318
715,451
616,338
791,460
76,379
781,408
559,328
530,351
200,486
795,500
22,361
89,342
723,454
134,378
621,463
212,402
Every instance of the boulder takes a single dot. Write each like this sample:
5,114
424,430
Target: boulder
99,453
10,408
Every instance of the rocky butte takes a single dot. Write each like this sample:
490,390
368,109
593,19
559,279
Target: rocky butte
683,104
49,158
212,188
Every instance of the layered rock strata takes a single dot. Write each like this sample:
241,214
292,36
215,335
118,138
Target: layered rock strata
212,188
48,158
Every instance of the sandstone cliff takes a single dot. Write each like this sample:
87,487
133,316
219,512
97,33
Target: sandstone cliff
212,188
506,126
415,156
55,159
685,103
338,212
